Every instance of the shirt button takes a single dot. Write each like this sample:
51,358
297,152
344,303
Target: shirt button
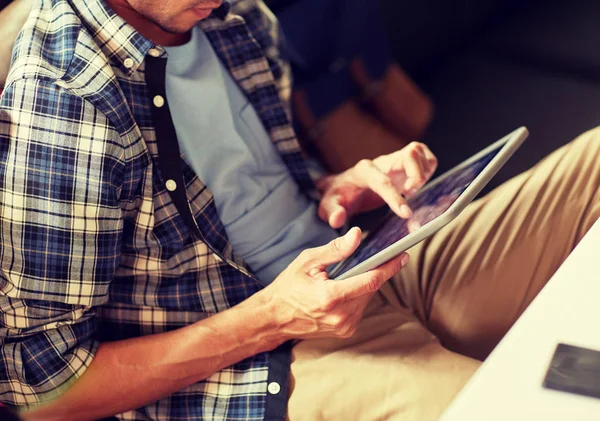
171,185
273,388
159,101
154,52
128,62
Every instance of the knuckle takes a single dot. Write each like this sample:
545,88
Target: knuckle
327,301
304,256
374,283
414,153
364,163
348,331
333,298
386,181
338,322
419,178
335,246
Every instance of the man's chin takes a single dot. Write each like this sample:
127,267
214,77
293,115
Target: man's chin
178,30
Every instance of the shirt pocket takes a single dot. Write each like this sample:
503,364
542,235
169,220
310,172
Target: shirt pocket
257,139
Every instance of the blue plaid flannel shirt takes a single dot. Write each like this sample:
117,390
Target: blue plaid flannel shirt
92,246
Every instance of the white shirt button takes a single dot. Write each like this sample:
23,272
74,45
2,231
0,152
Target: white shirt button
159,101
273,388
128,62
154,52
171,185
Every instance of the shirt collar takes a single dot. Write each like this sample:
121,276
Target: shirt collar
125,47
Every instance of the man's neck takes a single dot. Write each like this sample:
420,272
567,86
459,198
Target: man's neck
146,27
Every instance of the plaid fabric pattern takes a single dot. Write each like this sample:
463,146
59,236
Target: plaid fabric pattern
92,247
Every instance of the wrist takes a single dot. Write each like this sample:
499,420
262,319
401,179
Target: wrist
262,315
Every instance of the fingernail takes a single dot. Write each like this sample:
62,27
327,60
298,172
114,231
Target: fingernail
413,225
404,259
405,211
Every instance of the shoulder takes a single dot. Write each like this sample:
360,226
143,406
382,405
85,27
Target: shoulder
56,47
46,44
38,113
59,72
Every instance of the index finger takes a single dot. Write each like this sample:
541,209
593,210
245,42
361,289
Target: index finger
381,184
432,161
369,282
335,251
415,169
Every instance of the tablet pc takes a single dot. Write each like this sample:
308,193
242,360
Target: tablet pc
434,206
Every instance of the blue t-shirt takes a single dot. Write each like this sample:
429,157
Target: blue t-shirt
268,220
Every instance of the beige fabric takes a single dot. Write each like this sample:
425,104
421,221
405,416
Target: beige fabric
12,20
466,286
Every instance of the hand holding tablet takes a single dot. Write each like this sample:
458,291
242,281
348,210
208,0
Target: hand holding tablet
433,207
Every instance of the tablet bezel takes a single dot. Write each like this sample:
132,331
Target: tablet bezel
512,142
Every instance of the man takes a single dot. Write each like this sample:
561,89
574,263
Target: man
139,282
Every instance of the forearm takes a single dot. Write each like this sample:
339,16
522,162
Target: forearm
132,373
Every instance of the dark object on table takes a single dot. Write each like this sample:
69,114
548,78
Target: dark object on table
574,370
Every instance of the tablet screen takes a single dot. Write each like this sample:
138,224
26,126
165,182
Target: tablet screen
430,202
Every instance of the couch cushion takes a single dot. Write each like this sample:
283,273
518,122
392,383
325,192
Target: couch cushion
478,98
556,35
424,31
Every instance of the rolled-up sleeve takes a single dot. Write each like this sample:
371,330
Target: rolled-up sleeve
60,234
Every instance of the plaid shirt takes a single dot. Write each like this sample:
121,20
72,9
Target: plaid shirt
93,247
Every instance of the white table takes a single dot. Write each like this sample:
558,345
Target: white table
508,386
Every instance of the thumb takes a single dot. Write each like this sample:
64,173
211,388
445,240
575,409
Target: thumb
334,251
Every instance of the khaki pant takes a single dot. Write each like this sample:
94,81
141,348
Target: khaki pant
425,333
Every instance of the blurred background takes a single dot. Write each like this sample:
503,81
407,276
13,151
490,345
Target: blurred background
373,75
482,68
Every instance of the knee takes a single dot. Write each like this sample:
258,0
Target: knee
588,142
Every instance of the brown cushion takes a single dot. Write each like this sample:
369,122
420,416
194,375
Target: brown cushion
11,21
